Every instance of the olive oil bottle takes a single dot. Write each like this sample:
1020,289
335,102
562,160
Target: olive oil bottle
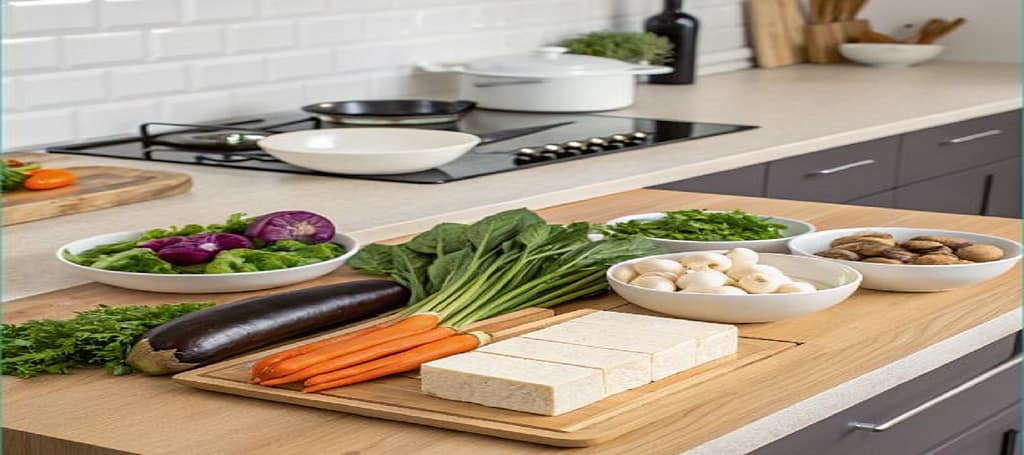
680,29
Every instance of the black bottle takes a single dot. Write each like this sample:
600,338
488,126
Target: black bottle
680,29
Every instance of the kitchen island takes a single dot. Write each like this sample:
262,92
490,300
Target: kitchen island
839,357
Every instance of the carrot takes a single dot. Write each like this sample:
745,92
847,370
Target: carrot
365,355
258,369
398,363
412,325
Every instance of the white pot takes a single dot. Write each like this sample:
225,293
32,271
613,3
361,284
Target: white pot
549,80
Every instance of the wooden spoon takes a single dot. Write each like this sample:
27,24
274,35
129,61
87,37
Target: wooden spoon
929,27
942,31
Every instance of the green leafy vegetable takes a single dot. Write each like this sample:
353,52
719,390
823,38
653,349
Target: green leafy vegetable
626,46
93,338
134,260
700,225
273,257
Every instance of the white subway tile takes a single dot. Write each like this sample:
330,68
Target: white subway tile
198,107
425,50
215,10
279,8
356,58
442,21
49,15
97,48
406,84
143,80
330,30
115,118
11,101
719,16
337,89
721,39
186,42
390,25
114,13
226,72
360,5
27,129
63,88
30,54
267,99
299,64
260,36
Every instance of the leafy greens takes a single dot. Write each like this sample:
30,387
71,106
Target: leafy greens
699,225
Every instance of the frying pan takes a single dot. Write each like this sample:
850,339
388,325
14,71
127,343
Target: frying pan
390,112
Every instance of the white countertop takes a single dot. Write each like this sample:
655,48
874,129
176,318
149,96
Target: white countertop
799,109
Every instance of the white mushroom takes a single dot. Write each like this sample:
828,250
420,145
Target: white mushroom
666,275
742,257
702,279
761,283
726,290
795,286
737,273
703,260
624,273
656,283
658,265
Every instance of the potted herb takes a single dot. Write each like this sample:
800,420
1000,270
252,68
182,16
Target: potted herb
626,46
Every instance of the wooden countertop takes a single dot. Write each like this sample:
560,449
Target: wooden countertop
91,412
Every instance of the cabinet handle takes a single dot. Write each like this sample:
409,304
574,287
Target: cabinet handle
876,427
971,137
842,168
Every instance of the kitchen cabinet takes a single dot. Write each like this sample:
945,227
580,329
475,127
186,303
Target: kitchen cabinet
958,146
962,192
836,175
1004,195
745,181
883,199
997,435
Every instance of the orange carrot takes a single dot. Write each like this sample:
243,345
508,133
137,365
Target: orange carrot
365,355
398,363
413,324
258,369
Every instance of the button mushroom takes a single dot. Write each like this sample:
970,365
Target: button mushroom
705,260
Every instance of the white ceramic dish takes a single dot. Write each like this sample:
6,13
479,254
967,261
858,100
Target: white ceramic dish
369,150
890,55
915,278
793,229
201,284
835,283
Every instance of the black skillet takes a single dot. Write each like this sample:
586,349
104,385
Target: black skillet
390,112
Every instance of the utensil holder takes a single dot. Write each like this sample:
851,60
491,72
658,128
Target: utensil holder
823,40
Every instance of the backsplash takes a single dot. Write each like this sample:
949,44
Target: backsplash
76,69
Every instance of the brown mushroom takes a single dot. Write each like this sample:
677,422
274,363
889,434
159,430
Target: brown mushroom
899,254
865,248
880,260
952,242
836,253
877,235
980,253
936,259
857,238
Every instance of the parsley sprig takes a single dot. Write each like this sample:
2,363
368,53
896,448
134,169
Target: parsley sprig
700,225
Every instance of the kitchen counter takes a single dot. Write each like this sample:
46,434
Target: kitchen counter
800,109
845,355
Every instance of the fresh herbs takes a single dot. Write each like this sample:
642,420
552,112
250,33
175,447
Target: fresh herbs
700,225
93,338
503,263
15,173
626,46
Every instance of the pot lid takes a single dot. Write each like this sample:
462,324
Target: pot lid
549,62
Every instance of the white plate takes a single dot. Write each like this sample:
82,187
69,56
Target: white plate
201,284
369,150
835,282
793,228
915,278
890,54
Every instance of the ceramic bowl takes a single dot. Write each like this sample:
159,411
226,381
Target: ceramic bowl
890,55
369,150
793,229
915,278
835,283
200,284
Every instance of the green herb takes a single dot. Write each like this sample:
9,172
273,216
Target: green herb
15,176
700,225
273,257
500,264
93,338
626,46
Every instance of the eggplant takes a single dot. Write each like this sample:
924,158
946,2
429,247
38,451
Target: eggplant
222,331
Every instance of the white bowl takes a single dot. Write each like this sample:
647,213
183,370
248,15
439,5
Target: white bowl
835,282
915,278
889,55
369,150
201,284
793,228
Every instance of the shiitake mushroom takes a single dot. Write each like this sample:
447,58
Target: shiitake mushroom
882,248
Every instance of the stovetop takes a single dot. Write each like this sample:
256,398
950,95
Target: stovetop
588,135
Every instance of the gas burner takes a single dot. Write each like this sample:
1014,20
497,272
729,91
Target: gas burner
227,137
221,140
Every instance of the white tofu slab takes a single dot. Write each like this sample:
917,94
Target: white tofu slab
499,381
669,353
622,370
714,341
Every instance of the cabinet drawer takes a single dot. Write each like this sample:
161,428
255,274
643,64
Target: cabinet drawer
946,419
745,181
836,175
957,146
962,192
1004,191
996,435
883,199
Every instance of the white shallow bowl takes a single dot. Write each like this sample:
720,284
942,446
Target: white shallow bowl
369,150
793,229
888,54
915,278
835,283
201,284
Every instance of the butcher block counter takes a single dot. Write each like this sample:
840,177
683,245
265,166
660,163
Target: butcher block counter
837,358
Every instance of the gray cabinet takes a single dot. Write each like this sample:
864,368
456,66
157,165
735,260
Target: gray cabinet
958,146
745,181
883,199
1004,191
836,175
996,435
962,192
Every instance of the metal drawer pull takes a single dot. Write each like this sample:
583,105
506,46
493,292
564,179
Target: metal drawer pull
939,399
972,137
843,167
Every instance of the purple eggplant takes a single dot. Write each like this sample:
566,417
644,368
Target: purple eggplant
306,227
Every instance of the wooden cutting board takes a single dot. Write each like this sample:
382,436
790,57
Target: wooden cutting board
98,187
777,30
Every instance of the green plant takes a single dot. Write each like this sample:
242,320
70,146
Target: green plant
626,46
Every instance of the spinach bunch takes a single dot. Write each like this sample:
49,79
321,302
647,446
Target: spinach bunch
500,264
700,225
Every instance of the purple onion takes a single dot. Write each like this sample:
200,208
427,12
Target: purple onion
201,248
159,244
306,227
220,241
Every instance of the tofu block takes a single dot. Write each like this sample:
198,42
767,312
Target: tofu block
669,353
512,383
713,340
622,370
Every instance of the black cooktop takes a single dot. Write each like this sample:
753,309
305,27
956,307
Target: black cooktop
586,136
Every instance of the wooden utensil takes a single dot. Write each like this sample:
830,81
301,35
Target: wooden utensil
777,30
940,31
928,27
